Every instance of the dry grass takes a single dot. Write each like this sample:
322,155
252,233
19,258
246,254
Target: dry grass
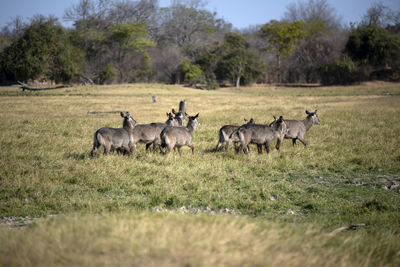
131,239
341,178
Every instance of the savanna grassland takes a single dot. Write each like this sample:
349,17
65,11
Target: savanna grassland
210,208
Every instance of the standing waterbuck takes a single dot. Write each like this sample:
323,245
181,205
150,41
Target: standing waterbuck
156,129
227,134
297,129
150,133
176,136
115,138
260,134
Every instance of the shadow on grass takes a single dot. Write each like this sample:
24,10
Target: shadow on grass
76,156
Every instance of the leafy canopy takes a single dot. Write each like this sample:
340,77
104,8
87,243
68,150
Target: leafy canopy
283,35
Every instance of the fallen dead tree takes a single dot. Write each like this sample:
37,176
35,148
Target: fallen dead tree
24,87
105,111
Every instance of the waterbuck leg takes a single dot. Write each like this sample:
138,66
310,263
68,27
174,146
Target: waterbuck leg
227,145
93,152
148,146
278,144
294,142
127,150
259,149
267,147
303,141
107,149
192,147
218,146
180,151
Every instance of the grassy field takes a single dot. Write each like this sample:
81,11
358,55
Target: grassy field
211,208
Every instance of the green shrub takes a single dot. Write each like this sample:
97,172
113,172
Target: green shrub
339,72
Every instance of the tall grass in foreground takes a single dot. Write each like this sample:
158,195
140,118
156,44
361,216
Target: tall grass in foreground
131,239
343,177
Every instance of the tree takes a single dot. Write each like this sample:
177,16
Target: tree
283,38
373,45
44,50
125,38
238,63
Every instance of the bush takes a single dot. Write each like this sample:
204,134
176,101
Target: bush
341,72
192,74
107,74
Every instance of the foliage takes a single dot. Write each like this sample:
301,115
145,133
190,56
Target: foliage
339,72
233,60
192,73
373,45
283,36
44,50
107,74
131,36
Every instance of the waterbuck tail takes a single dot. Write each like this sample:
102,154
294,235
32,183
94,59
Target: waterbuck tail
164,140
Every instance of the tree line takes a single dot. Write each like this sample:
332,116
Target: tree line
139,41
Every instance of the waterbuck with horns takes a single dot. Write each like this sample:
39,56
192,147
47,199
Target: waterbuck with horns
115,138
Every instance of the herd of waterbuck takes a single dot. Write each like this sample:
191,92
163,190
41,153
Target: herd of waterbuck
173,133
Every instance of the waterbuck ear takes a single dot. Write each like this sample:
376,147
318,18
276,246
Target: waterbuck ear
173,111
281,118
245,120
307,112
274,117
315,112
196,115
251,120
122,115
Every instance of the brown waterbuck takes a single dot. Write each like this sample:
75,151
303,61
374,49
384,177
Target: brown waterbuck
227,134
297,129
115,138
176,136
260,134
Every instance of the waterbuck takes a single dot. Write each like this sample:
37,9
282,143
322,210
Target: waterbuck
297,129
227,134
180,117
115,138
260,134
157,128
150,133
176,136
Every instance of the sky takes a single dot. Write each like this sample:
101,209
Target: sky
241,13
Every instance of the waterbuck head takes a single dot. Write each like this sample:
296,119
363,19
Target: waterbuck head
280,124
193,121
273,122
313,116
171,121
129,122
180,117
251,121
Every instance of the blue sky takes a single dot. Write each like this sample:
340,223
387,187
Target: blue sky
241,13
